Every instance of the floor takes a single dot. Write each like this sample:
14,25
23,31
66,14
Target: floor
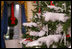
13,43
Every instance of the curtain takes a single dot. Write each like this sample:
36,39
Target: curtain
4,24
23,18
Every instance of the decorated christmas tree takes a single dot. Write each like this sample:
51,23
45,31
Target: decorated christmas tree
50,26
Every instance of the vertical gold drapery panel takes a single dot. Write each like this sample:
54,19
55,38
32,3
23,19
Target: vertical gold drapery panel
25,3
2,4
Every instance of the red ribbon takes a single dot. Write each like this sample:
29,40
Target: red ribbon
12,10
29,39
39,10
67,35
34,1
13,19
12,14
51,3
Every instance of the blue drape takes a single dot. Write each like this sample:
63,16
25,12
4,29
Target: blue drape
23,18
4,24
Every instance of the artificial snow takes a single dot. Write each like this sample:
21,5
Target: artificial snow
59,28
33,33
55,16
30,24
56,8
48,40
41,33
34,43
45,28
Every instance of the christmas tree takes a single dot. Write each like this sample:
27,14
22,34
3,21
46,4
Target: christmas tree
49,26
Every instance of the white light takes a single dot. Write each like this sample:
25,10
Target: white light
7,37
8,28
17,10
17,6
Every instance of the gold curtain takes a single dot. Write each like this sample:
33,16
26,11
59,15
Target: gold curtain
26,10
2,3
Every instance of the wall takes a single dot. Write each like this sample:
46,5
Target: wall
30,7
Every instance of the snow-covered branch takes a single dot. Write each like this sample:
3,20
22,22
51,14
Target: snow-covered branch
59,28
48,40
41,33
55,16
30,24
